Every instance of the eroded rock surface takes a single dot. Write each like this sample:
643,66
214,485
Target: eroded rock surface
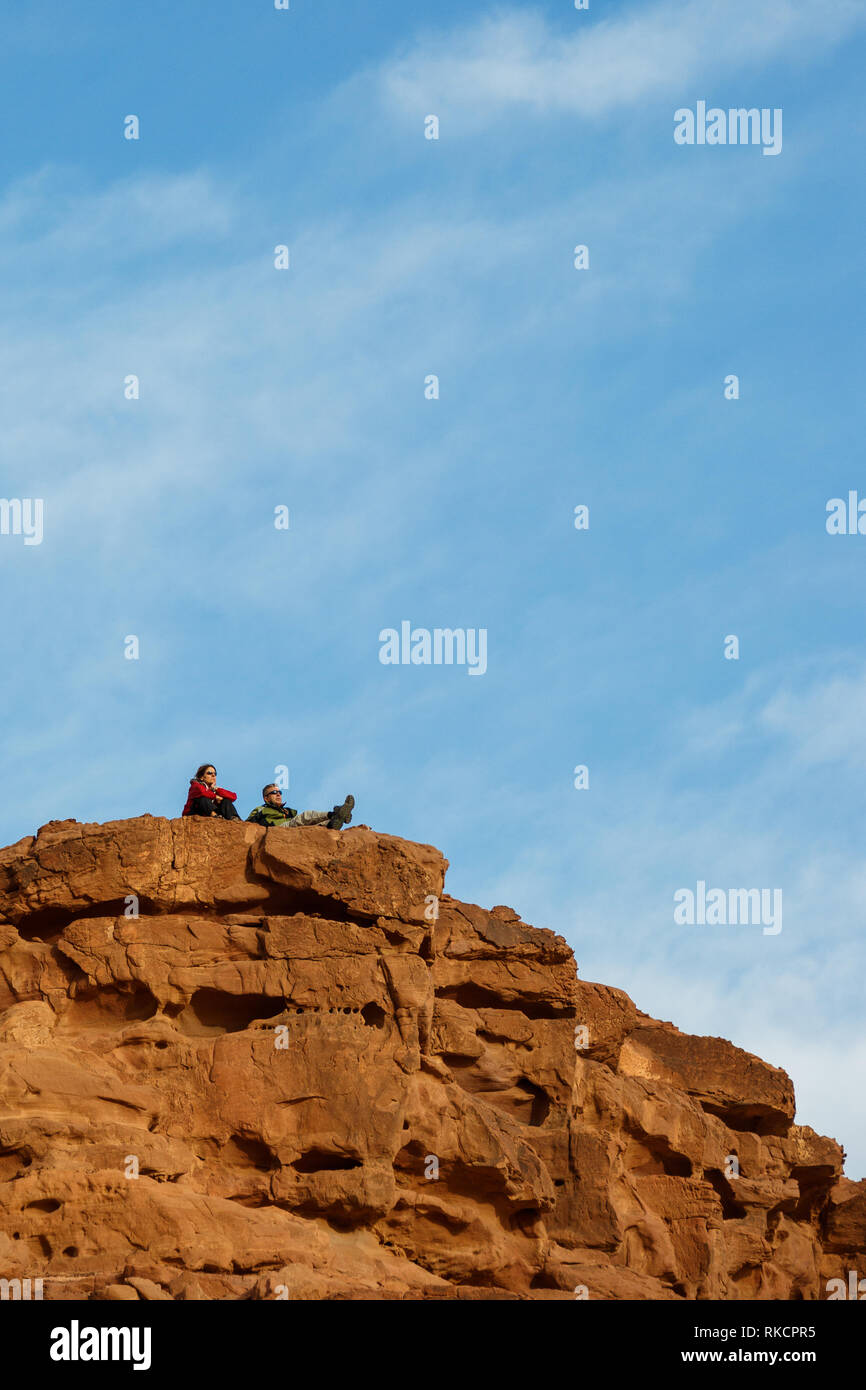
287,1076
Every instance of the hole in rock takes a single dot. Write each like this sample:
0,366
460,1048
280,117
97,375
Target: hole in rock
47,923
141,1004
232,1013
651,1153
754,1119
343,1223
411,1157
78,978
476,997
373,1015
814,1184
291,900
732,1210
71,1251
526,1221
11,1163
243,1151
676,1165
540,1108
43,1204
103,1007
324,1161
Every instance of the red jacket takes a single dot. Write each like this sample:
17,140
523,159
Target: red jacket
199,789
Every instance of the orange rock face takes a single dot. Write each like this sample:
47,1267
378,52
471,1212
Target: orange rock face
246,1063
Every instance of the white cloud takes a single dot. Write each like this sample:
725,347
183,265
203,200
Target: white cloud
54,217
516,59
824,723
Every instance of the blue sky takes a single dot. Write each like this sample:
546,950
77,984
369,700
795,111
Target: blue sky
558,387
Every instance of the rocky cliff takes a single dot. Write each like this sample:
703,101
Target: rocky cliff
304,1071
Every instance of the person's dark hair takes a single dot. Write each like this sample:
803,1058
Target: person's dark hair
269,787
204,767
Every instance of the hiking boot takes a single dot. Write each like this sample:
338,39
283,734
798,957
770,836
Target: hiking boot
341,815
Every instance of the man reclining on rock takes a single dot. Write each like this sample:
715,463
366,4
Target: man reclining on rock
273,812
207,799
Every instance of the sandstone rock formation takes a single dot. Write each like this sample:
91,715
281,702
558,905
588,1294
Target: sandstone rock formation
288,1077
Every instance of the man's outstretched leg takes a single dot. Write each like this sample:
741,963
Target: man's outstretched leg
308,818
334,820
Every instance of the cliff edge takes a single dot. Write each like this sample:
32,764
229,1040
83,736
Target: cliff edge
302,1070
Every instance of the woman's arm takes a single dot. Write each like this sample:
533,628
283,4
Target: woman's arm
221,791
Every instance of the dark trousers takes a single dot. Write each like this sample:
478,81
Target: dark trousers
206,806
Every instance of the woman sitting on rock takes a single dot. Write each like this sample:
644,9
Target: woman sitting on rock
207,799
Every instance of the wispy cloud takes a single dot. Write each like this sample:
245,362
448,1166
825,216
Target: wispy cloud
518,59
56,216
